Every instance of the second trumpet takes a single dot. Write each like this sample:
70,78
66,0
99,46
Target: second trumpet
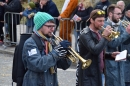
114,34
74,55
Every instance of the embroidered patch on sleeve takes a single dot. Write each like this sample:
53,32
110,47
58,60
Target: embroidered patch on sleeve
32,52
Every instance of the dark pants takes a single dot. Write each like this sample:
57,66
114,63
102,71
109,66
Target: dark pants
1,32
127,83
12,30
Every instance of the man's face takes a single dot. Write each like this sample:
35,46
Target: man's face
121,5
98,22
116,15
127,13
48,28
43,2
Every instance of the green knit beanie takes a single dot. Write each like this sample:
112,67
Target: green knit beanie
32,5
41,18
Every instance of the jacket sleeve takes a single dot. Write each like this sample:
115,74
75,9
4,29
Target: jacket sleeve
25,13
64,63
13,6
53,10
94,48
33,60
108,56
70,8
74,12
119,40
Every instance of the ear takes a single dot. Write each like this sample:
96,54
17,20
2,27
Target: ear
91,20
110,14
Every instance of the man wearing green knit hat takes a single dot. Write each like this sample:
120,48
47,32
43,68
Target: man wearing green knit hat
42,65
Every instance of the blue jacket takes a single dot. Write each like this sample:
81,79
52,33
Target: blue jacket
126,46
115,70
29,22
38,65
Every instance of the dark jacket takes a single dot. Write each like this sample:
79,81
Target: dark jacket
84,14
103,6
51,9
90,48
18,69
2,11
13,6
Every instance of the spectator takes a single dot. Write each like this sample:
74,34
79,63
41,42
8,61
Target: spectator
37,5
50,7
1,23
42,65
121,4
103,5
66,27
29,14
115,70
82,12
91,46
126,46
12,6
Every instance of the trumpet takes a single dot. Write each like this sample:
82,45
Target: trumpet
112,35
125,23
73,55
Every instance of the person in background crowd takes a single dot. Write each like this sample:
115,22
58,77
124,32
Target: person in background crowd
66,26
42,66
37,5
91,46
16,7
29,14
121,4
82,12
1,23
126,46
50,7
103,5
115,70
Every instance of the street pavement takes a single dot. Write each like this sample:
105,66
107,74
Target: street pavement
65,77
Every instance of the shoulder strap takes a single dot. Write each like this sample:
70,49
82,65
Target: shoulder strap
38,42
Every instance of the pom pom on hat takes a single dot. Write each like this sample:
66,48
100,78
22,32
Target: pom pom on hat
41,18
32,5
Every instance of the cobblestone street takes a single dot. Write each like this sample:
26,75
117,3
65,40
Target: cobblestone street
66,78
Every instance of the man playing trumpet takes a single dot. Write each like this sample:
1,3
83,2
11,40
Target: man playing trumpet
114,70
126,46
91,46
42,65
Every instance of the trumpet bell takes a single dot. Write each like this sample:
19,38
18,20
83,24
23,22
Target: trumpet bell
86,63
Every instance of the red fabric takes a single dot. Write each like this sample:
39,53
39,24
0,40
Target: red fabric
46,44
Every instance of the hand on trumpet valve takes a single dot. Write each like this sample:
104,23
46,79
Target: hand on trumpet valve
128,29
107,31
62,48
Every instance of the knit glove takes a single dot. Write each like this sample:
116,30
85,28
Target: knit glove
62,48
